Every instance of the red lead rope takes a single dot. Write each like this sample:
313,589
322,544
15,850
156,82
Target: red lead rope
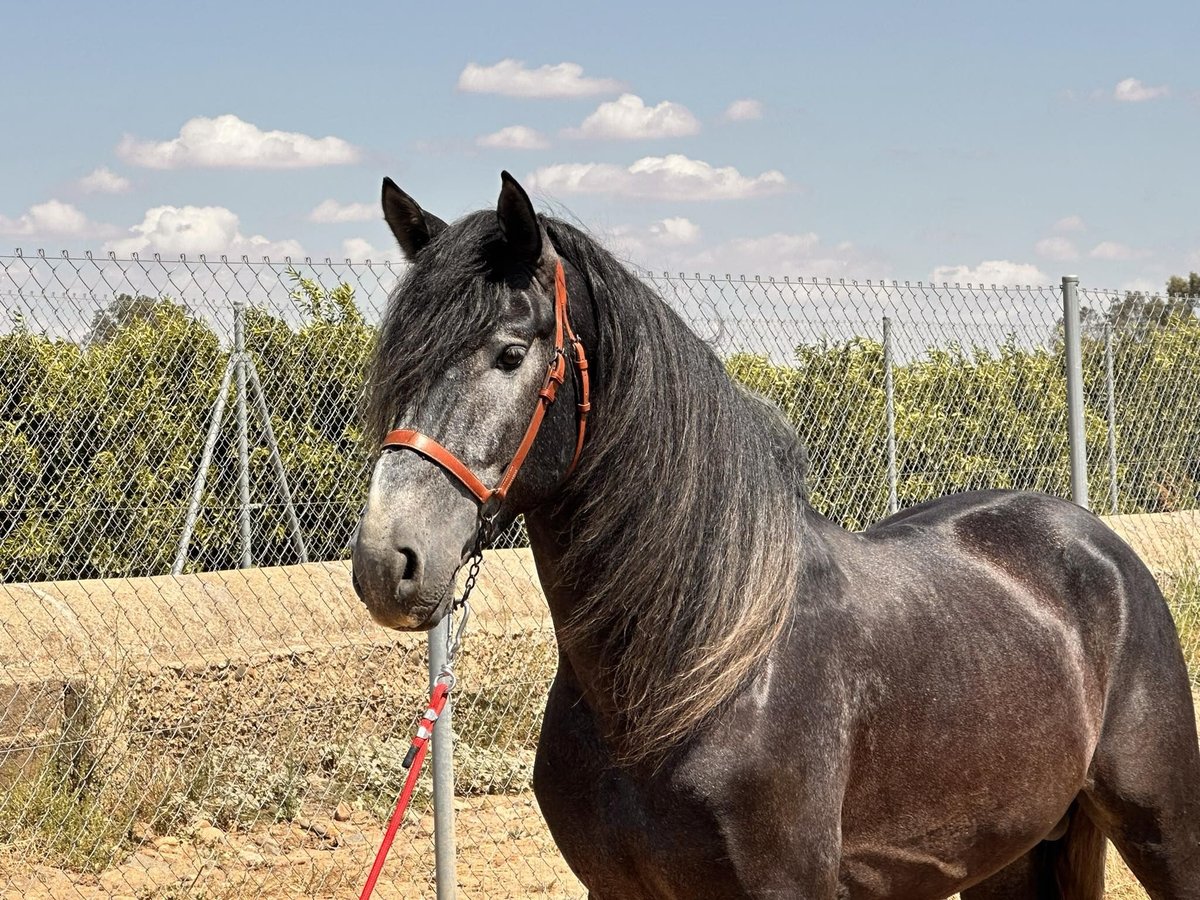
412,761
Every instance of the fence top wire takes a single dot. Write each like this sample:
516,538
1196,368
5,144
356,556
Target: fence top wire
61,294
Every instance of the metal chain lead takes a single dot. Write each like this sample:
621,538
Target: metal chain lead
483,537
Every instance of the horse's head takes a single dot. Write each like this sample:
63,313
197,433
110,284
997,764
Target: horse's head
470,345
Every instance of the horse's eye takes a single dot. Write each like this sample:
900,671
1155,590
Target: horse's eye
511,357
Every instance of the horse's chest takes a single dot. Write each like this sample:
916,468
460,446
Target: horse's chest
624,837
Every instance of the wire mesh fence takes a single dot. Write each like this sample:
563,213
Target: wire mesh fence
193,704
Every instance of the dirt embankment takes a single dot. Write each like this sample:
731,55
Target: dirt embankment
181,699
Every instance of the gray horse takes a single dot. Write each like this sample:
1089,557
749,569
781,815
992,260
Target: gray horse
750,701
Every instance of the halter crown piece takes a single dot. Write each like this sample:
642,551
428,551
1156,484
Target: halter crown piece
556,373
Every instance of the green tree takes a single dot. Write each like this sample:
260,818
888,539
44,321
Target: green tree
1179,286
123,311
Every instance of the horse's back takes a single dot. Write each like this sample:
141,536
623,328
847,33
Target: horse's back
1047,555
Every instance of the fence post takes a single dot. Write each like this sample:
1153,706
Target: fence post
1112,418
210,443
889,406
442,767
1074,364
277,460
243,431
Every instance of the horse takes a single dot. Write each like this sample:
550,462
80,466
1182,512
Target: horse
750,701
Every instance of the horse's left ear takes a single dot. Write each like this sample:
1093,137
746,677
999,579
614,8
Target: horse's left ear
518,221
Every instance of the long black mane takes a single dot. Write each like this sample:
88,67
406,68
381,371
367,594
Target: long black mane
688,512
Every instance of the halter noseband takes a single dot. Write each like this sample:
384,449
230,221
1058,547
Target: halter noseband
556,373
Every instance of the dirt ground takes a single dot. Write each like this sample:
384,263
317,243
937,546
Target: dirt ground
504,853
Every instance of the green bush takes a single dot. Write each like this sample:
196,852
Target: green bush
100,440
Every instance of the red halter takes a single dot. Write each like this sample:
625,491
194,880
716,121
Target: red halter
556,373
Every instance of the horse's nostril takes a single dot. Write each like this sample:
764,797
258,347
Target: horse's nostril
410,564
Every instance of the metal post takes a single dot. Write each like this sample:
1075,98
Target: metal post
1112,419
239,356
889,406
210,442
1074,364
442,766
276,460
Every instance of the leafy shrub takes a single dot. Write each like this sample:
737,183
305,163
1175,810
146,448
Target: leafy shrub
100,440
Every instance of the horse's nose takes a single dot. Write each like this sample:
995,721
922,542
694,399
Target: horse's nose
386,574
409,566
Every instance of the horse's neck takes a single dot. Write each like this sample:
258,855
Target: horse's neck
547,539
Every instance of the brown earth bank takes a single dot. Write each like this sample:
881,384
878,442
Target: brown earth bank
238,734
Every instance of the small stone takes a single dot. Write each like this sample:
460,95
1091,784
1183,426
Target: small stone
166,841
141,832
252,859
343,812
325,830
210,836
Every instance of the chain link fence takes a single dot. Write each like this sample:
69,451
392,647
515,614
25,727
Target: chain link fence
192,701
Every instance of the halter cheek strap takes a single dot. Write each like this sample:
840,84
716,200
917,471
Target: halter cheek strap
556,373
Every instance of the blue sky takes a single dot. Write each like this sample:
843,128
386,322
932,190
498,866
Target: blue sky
1007,142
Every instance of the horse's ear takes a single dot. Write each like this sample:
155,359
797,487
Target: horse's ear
412,226
518,221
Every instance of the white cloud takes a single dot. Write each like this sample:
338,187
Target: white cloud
228,142
1117,252
670,245
628,118
514,137
653,244
991,271
675,230
192,230
104,181
1069,224
360,250
331,212
511,78
674,177
1130,90
52,219
1143,286
1056,249
783,253
743,110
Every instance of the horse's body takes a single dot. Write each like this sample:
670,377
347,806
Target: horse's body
750,701
952,686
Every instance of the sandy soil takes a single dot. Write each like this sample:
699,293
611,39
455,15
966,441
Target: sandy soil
504,853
